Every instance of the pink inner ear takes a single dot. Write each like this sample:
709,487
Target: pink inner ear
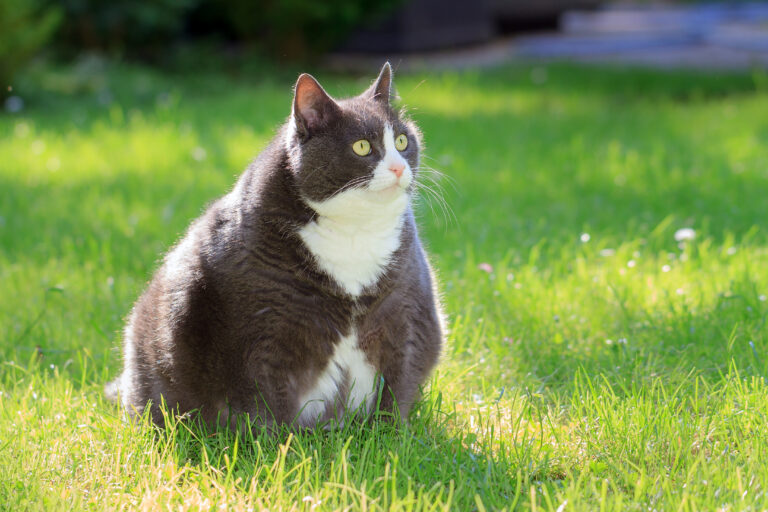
309,101
308,106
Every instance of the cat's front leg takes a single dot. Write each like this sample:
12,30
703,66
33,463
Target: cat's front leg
404,369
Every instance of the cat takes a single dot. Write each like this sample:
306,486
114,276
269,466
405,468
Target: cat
304,294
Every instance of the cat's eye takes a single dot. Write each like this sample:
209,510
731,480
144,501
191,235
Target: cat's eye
401,142
362,147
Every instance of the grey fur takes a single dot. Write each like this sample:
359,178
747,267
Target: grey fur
240,318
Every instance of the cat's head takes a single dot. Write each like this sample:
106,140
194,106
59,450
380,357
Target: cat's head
360,145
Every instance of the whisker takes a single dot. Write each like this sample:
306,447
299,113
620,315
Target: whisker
435,182
418,85
446,215
428,201
316,169
431,195
431,171
351,184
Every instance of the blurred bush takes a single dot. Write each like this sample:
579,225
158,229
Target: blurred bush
301,28
281,28
25,27
123,26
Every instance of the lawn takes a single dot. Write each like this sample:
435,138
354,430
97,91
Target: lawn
603,254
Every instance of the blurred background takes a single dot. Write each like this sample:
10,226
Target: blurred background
590,224
347,34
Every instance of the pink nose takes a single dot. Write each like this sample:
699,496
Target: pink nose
397,169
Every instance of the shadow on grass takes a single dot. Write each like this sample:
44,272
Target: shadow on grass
373,461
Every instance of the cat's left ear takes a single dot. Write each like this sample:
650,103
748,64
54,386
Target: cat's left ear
381,89
313,108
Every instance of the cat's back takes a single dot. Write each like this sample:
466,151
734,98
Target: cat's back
174,301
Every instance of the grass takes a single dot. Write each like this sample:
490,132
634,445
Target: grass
594,361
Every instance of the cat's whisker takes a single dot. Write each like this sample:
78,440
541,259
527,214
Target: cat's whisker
419,84
353,183
430,201
316,170
426,199
434,195
429,181
431,171
436,180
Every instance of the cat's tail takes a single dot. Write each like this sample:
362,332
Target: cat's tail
112,389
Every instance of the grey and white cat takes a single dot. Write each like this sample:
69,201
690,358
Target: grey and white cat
304,292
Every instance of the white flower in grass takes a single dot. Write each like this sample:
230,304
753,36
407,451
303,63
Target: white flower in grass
585,237
666,268
762,298
685,234
199,154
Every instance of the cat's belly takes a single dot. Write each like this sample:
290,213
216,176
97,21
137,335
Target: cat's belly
348,382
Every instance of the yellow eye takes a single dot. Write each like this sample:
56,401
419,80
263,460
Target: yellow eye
362,147
401,142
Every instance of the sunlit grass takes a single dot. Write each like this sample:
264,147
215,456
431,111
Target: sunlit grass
593,360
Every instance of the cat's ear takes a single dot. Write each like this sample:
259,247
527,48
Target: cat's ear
313,108
381,89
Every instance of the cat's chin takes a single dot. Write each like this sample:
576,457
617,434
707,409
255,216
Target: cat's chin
390,193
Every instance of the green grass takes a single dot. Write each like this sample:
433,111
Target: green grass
593,361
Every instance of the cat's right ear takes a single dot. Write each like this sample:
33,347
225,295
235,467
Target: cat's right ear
313,108
381,89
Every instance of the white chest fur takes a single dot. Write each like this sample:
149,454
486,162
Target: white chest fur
348,369
354,241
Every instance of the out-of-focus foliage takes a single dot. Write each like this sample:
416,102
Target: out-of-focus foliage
301,28
281,28
123,25
25,27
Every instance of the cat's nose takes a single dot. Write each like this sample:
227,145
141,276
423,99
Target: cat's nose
397,168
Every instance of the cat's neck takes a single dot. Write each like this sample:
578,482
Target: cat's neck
356,210
353,238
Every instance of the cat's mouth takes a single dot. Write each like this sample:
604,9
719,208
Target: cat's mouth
398,186
388,193
394,188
